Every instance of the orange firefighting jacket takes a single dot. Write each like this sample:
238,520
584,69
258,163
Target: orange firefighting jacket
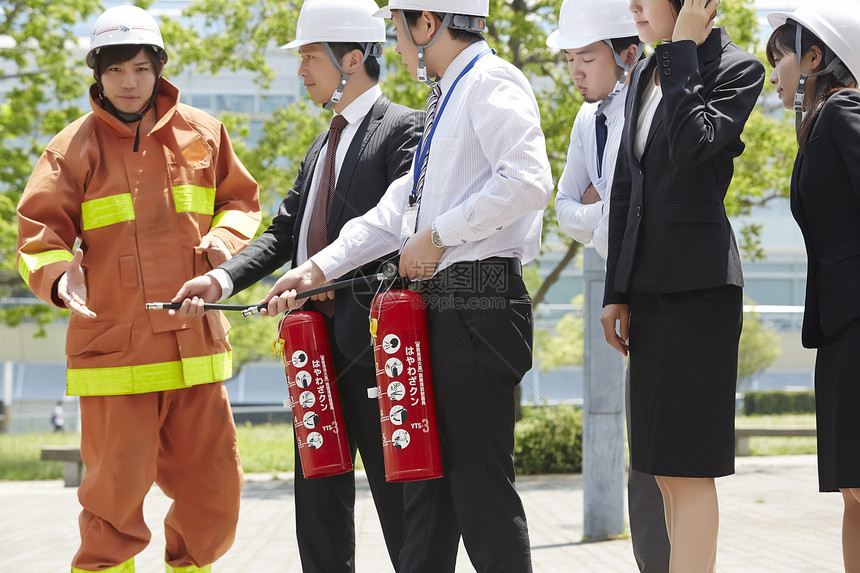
139,216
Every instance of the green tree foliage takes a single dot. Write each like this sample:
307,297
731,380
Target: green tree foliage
35,37
563,346
759,347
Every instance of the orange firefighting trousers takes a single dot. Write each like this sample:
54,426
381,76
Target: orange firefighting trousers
184,441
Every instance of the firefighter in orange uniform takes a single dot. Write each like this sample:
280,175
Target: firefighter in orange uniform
154,193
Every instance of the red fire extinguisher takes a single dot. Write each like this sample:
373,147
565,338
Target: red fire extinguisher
407,410
317,416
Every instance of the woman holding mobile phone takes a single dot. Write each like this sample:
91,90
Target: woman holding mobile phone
674,281
816,61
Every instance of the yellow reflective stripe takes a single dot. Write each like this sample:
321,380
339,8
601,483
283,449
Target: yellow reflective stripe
143,378
188,569
106,211
127,567
241,222
28,264
194,199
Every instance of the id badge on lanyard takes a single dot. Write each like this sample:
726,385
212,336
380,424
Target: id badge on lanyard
409,221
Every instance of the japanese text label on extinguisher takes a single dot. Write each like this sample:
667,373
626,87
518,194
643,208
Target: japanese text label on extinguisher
317,418
407,410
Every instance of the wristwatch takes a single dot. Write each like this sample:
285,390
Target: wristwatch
435,238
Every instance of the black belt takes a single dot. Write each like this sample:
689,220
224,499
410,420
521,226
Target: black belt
513,266
467,275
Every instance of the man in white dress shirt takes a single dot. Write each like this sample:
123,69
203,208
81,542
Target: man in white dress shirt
470,212
600,42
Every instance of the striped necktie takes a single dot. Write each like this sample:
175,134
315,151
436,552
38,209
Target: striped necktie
432,105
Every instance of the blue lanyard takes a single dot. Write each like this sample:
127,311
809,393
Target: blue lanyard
427,138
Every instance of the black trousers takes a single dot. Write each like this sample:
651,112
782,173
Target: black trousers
325,507
480,348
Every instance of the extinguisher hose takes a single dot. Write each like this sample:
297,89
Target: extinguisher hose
389,271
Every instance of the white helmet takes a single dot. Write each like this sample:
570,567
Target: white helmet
834,22
123,25
583,22
338,21
469,15
349,21
464,7
837,24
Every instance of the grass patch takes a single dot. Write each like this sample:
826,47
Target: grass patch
19,455
267,448
777,445
805,420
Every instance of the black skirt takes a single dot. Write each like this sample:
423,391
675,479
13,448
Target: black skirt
683,379
837,394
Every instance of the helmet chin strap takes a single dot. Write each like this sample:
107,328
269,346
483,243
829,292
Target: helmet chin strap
622,81
836,66
370,50
422,65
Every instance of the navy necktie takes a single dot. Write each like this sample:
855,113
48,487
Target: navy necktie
600,133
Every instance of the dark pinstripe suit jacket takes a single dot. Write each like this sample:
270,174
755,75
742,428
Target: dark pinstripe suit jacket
380,152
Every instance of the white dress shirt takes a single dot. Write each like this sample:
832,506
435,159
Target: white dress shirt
488,178
354,113
651,98
586,223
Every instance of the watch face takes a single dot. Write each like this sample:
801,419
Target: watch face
435,238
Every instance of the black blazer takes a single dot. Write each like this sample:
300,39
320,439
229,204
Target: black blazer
380,152
825,202
668,230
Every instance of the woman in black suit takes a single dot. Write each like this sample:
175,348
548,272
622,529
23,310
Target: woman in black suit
673,283
818,43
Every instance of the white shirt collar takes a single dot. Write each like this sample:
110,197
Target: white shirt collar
615,107
361,106
459,63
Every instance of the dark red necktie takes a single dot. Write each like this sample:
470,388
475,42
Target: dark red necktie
318,226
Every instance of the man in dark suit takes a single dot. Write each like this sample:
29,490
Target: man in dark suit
374,141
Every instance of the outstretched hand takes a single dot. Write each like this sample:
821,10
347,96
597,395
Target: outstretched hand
72,287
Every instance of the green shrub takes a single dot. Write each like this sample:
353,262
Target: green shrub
549,440
779,402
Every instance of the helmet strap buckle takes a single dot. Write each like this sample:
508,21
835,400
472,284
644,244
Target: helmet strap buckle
422,65
371,49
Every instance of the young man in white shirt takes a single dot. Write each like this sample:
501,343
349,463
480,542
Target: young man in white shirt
485,185
600,42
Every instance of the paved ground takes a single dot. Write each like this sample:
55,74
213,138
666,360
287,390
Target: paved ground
773,520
